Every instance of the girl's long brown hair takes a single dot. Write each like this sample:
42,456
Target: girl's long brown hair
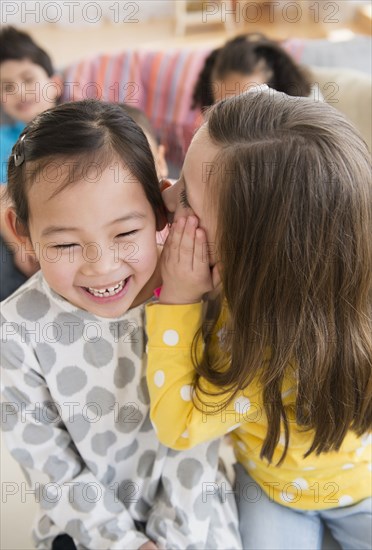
293,195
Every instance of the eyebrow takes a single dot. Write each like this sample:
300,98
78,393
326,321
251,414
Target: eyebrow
60,229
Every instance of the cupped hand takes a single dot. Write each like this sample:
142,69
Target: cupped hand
185,264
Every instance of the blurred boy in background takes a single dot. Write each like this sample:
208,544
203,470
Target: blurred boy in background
29,86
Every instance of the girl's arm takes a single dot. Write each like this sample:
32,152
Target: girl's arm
69,492
181,419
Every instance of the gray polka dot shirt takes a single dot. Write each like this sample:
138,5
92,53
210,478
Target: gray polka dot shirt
76,418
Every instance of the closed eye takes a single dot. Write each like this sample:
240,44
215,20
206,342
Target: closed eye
65,246
183,199
128,234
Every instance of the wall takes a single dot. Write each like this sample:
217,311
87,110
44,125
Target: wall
68,13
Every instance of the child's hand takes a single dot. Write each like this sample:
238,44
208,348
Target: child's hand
185,266
148,546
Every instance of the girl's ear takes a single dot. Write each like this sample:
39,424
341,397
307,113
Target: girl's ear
17,234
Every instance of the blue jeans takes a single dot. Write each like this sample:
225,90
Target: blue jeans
267,525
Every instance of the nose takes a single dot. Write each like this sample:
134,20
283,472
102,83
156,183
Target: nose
171,199
100,260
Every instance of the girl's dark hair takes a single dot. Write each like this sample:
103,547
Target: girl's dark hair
141,119
203,91
242,55
292,194
76,137
18,45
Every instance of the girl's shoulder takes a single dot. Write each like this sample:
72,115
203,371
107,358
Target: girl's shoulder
30,292
22,323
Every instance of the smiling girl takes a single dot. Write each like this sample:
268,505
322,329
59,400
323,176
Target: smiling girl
87,204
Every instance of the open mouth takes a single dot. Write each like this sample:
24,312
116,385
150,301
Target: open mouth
109,291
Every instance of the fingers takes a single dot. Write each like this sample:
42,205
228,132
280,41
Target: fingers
167,248
186,255
181,241
176,240
185,263
201,247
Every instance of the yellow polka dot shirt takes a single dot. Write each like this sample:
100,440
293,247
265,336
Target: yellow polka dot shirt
318,482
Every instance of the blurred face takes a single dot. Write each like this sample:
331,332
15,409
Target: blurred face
95,241
188,196
26,89
237,83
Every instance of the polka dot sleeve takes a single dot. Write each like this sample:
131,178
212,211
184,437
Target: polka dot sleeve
76,502
180,419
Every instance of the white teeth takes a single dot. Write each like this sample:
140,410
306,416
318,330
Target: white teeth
110,291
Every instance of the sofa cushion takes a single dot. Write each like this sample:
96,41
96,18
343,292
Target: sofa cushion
355,53
349,91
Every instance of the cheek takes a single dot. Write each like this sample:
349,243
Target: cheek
9,106
6,100
58,269
141,252
146,254
209,224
